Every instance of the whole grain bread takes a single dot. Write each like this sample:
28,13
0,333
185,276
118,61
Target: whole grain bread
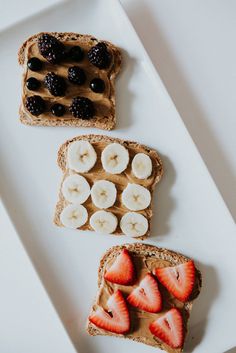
145,251
107,122
62,163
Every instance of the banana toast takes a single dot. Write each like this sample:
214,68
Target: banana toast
68,80
145,294
107,185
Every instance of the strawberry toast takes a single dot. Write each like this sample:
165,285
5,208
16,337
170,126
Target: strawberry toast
145,294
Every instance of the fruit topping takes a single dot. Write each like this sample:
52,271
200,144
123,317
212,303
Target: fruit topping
169,328
82,108
146,296
51,48
81,156
142,166
134,224
103,222
75,189
35,105
76,75
122,270
55,84
99,56
97,85
76,53
115,158
116,319
58,109
32,84
179,280
74,216
103,193
34,64
136,197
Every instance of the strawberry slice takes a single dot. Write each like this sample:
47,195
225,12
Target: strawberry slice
122,270
116,319
179,280
169,328
146,296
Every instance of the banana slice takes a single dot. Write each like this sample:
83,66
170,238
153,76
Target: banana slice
103,222
142,166
81,156
74,216
115,158
136,197
103,194
75,189
134,224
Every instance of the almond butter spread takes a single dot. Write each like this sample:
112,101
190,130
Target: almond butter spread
102,101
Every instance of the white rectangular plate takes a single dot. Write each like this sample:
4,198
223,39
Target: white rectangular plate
190,216
28,322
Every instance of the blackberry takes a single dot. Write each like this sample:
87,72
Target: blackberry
32,83
76,75
99,56
58,109
82,107
35,105
76,53
55,84
51,48
97,85
34,64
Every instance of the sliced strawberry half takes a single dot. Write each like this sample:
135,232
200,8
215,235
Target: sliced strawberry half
179,280
146,296
169,328
116,319
122,270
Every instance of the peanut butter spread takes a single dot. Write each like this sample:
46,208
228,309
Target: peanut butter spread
120,181
140,320
103,104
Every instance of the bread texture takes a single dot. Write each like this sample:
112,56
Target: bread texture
103,121
145,251
105,140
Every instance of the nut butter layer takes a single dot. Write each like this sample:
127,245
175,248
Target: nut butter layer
110,202
146,259
90,78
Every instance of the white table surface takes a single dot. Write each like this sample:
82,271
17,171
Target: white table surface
192,45
28,320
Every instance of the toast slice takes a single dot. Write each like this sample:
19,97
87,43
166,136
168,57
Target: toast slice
120,181
145,258
103,102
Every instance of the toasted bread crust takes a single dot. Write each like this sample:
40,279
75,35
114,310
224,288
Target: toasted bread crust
61,160
145,250
106,123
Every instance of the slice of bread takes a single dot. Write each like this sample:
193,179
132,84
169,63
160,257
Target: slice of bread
99,142
141,253
104,103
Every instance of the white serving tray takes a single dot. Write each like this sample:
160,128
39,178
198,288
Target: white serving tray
190,215
28,321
